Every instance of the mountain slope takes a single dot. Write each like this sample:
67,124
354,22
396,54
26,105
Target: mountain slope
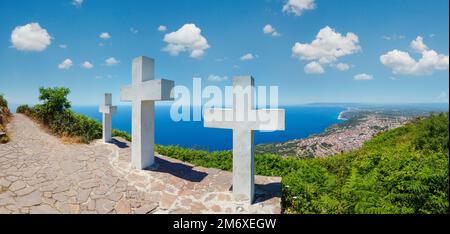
404,170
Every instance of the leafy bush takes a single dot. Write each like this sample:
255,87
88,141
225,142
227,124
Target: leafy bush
3,102
4,118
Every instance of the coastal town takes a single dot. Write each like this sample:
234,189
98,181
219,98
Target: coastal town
359,127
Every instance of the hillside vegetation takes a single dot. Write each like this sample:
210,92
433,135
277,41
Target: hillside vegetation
401,171
4,119
55,114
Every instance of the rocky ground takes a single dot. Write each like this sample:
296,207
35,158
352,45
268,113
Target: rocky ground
39,174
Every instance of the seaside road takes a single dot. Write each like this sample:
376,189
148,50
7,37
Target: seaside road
40,174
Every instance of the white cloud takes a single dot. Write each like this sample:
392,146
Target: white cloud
77,3
342,66
162,28
418,45
134,31
66,64
111,61
105,36
63,46
297,7
216,78
30,37
314,68
363,76
402,63
327,47
87,65
247,57
268,29
187,38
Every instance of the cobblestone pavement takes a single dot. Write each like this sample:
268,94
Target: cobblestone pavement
39,174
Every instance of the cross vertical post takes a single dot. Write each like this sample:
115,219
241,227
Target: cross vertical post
142,93
107,110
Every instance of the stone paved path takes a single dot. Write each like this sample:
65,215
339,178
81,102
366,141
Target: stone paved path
39,174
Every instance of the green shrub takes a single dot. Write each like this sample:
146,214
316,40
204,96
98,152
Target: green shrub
122,134
4,117
3,102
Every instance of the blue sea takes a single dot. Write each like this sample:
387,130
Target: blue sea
301,121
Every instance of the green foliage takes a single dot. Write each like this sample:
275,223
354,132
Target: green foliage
54,103
122,134
4,118
3,102
55,114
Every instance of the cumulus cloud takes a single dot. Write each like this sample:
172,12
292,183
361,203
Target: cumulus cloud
66,64
402,63
363,76
314,68
216,78
297,7
268,29
87,65
247,57
418,45
187,38
105,36
77,3
342,66
162,28
30,37
327,47
111,61
63,46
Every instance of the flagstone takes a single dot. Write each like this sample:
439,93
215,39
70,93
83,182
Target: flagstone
147,208
17,185
43,209
123,207
106,183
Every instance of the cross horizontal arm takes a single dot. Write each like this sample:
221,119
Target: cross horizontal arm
108,109
217,118
263,119
152,90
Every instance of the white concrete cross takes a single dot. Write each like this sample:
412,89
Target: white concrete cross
244,119
107,110
143,92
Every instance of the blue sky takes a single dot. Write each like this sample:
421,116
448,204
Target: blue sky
370,40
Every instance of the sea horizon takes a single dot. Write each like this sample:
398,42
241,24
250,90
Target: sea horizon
301,122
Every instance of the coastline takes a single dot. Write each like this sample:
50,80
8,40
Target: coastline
341,115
